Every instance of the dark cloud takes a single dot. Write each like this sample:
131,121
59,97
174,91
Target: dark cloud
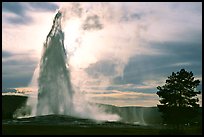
103,67
28,61
92,23
17,72
22,81
99,92
133,88
43,6
110,98
184,50
19,20
6,54
196,8
15,56
14,7
132,17
150,67
137,16
20,9
76,8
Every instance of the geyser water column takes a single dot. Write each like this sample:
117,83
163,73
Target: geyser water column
56,94
54,86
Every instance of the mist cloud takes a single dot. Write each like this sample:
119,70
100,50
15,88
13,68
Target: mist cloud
92,22
18,12
132,42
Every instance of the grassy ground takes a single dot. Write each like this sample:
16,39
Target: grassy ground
67,130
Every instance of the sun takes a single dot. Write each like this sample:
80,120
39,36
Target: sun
74,45
72,34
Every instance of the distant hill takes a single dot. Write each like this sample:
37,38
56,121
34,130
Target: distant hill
9,90
10,103
137,115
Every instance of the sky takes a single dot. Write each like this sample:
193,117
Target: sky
118,52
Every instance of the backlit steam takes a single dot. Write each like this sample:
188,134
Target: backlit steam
56,94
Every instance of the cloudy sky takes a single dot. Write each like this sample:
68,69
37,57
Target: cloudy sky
118,52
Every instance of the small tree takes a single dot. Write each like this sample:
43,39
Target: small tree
178,98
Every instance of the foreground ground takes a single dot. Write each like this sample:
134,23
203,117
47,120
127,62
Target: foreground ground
67,130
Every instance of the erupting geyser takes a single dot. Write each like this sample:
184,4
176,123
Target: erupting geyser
56,94
54,87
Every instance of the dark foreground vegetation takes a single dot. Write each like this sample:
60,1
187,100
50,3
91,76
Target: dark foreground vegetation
10,103
179,104
67,130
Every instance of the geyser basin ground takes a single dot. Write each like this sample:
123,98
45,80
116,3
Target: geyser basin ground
67,125
62,124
